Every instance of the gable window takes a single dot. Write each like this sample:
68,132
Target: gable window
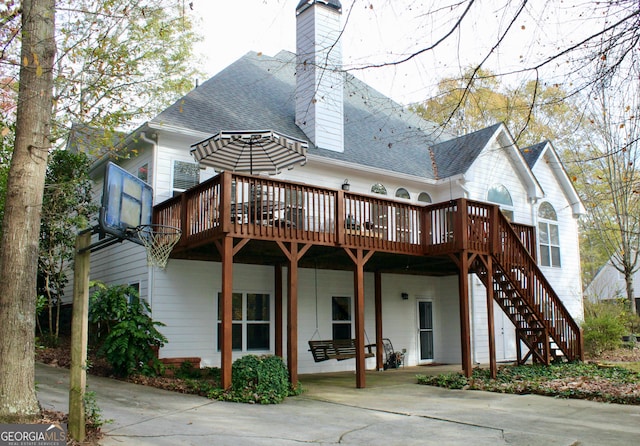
341,317
548,236
500,195
379,188
424,198
251,326
185,176
403,193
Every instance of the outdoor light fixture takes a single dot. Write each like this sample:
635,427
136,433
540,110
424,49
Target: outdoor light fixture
404,296
346,185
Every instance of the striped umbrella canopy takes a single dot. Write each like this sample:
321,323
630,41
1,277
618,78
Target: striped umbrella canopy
250,151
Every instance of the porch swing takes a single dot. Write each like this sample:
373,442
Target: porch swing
339,349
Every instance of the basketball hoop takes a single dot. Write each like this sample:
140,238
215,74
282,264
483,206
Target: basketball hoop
158,240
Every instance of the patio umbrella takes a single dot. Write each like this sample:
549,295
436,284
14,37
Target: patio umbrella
250,151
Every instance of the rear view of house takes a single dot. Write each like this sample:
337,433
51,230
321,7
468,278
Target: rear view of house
457,249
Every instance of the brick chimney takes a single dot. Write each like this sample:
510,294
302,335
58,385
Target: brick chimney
319,76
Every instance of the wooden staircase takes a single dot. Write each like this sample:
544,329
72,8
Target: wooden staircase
543,325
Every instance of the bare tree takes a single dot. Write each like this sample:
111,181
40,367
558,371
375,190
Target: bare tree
21,225
607,165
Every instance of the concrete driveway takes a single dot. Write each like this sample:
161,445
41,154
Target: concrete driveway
392,410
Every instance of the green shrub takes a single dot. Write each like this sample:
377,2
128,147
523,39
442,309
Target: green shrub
447,380
128,336
259,379
604,325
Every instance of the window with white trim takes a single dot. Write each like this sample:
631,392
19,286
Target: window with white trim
548,236
341,317
251,321
424,197
403,193
500,195
185,176
378,188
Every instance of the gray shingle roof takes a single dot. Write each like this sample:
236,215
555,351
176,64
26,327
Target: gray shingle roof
455,156
258,92
532,153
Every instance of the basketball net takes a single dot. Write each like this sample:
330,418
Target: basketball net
159,241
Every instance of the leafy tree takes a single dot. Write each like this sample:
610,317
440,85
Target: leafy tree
119,61
480,100
67,208
115,57
23,205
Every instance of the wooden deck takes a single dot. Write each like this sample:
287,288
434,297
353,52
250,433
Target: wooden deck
263,217
259,208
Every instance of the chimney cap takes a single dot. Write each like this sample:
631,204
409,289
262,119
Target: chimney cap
304,4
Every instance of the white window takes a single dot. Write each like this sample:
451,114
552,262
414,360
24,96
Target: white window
251,326
403,193
500,195
185,176
341,317
424,197
548,236
378,188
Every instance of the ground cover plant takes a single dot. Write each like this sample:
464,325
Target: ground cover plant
596,381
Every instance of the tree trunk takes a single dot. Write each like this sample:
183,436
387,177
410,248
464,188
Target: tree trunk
628,278
21,225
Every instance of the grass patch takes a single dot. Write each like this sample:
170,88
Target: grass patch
597,382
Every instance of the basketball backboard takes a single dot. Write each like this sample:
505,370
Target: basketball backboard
127,202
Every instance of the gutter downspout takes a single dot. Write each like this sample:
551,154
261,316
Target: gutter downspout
154,164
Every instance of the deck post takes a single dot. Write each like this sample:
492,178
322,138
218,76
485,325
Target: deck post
490,320
358,282
465,326
378,310
278,309
292,315
226,345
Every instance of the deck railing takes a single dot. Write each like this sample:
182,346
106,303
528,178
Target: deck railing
263,208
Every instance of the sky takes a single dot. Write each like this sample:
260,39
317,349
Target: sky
383,31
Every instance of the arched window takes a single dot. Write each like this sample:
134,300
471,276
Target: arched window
500,195
403,193
548,236
379,189
424,198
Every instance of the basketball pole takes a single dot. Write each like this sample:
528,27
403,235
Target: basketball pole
79,337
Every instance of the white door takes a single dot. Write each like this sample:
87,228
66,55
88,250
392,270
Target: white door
505,335
425,331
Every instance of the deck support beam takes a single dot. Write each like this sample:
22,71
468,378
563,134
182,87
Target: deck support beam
378,310
359,259
465,325
226,346
293,253
277,277
490,319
